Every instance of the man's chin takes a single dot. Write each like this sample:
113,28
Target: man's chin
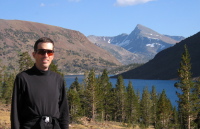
45,66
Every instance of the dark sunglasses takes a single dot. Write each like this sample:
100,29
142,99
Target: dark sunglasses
44,51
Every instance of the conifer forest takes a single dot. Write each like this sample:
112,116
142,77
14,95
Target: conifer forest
98,100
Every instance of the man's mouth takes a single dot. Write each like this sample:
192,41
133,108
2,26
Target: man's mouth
44,61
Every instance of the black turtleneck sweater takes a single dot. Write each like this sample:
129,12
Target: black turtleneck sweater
38,93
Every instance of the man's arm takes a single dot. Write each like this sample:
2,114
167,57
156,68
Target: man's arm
15,124
64,109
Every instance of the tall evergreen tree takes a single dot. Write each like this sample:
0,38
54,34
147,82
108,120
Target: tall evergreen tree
113,105
91,97
196,109
53,67
25,61
137,106
74,104
186,96
154,99
74,100
146,106
175,119
83,95
131,105
104,95
75,85
164,112
121,99
7,87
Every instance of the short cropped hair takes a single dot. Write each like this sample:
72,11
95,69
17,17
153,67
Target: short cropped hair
42,40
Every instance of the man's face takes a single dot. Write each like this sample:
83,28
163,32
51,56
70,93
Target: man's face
43,61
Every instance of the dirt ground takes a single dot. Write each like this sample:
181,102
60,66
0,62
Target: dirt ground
4,116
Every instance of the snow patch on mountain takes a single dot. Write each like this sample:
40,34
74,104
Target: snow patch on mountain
163,47
124,43
129,48
155,44
109,41
152,38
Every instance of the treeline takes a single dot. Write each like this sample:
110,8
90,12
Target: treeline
124,68
97,99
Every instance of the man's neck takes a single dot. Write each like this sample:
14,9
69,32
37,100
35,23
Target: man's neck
42,69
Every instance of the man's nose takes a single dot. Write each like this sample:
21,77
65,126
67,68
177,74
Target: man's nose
46,55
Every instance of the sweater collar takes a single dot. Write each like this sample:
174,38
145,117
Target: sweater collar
39,72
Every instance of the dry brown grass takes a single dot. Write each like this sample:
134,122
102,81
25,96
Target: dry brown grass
101,125
96,125
4,116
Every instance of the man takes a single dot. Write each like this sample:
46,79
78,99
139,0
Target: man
39,96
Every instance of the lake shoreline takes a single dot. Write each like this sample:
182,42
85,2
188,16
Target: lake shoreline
139,85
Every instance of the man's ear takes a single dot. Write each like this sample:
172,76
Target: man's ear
33,54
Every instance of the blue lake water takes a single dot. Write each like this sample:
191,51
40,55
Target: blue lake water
139,84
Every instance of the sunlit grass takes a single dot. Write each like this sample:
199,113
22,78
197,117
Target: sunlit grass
4,119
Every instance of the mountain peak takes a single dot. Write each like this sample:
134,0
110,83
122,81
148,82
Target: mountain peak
145,31
140,26
151,34
141,41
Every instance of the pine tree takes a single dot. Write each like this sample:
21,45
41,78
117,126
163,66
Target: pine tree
146,106
129,102
196,109
121,93
154,99
164,111
175,119
104,96
53,67
84,96
113,105
74,104
7,87
75,85
186,85
25,61
137,106
131,105
90,94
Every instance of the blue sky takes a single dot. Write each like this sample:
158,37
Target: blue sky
108,17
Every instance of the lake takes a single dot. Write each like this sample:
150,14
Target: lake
140,84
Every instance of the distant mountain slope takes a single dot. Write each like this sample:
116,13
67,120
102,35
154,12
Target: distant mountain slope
143,42
146,41
166,63
177,38
74,52
123,56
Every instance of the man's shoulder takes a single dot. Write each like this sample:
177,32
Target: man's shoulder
24,73
56,74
